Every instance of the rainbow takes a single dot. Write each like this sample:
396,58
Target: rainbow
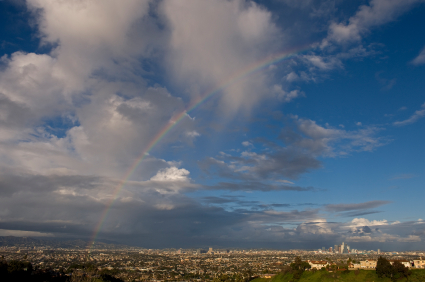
251,69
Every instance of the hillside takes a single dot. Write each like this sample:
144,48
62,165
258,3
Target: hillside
418,275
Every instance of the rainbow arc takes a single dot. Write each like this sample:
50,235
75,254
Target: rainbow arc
236,77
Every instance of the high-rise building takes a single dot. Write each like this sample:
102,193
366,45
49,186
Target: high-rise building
330,249
336,248
379,251
210,250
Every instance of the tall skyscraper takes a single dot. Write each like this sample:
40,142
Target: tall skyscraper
342,248
336,248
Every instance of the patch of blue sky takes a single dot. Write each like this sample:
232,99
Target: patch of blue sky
21,35
59,125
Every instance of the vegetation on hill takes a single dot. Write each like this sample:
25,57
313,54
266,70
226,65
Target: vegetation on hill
395,271
417,275
15,270
385,272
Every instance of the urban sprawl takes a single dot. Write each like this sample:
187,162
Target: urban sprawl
136,264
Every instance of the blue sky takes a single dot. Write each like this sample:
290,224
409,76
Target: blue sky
304,153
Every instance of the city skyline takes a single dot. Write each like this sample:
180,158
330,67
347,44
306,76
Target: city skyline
250,124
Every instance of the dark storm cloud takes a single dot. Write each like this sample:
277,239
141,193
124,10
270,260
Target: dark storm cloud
25,182
57,228
147,218
282,163
302,143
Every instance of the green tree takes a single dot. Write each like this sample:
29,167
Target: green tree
384,268
16,266
109,278
3,269
400,271
298,267
298,264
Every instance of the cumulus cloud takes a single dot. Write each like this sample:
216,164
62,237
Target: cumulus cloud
365,222
171,174
206,52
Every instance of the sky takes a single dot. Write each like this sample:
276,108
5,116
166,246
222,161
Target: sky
277,124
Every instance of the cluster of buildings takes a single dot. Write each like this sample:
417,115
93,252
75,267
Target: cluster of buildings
156,265
344,249
368,263
371,263
338,249
194,265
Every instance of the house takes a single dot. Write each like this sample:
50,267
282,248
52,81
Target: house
406,263
267,275
419,263
318,264
354,265
368,264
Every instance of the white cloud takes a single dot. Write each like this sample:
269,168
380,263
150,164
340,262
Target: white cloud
356,222
35,81
87,38
207,52
193,134
246,144
413,118
316,226
285,96
333,142
292,76
171,174
323,63
376,13
420,59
